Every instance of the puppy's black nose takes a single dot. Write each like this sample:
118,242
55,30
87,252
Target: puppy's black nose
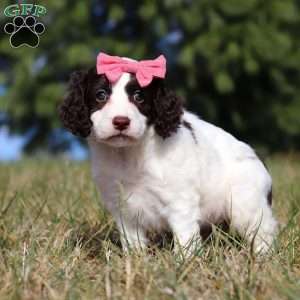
120,122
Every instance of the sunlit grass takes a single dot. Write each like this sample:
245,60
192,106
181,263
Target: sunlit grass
56,242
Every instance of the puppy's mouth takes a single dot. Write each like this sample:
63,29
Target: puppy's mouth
120,136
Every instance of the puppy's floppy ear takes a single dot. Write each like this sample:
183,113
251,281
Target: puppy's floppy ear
74,112
168,110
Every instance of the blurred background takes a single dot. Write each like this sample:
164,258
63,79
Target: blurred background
236,62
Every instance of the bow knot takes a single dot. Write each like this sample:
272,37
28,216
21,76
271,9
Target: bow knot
145,70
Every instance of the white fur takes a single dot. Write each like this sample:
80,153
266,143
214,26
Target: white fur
151,183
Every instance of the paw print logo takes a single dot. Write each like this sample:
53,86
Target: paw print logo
24,31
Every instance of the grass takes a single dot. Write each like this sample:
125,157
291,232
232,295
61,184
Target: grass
56,242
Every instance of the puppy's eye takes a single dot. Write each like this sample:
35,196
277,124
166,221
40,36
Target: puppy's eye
101,96
138,96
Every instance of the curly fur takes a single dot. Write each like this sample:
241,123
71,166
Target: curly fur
168,112
74,112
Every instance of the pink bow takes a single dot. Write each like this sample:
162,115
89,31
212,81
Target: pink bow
144,70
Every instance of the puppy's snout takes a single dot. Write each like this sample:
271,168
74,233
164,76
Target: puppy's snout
121,122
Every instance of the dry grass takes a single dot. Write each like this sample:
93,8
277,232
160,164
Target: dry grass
56,242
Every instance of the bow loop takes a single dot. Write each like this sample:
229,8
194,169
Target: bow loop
145,70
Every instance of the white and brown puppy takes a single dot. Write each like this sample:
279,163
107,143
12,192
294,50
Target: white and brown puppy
160,167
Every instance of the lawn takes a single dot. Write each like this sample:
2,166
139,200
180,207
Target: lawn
57,242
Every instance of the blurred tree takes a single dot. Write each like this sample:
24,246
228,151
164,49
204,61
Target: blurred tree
236,62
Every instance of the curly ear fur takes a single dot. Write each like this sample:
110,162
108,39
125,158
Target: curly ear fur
168,111
74,112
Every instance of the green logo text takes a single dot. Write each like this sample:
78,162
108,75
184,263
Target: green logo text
24,10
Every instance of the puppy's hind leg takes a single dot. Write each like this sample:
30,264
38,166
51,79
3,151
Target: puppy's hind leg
250,212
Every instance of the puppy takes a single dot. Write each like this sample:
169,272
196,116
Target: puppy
158,166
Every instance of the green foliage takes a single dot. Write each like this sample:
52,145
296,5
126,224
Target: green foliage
237,62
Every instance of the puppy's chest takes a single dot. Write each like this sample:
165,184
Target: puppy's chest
140,189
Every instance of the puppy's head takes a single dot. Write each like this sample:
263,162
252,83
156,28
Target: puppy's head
118,114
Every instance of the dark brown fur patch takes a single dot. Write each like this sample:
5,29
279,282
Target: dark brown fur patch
161,106
188,125
206,228
270,197
80,101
